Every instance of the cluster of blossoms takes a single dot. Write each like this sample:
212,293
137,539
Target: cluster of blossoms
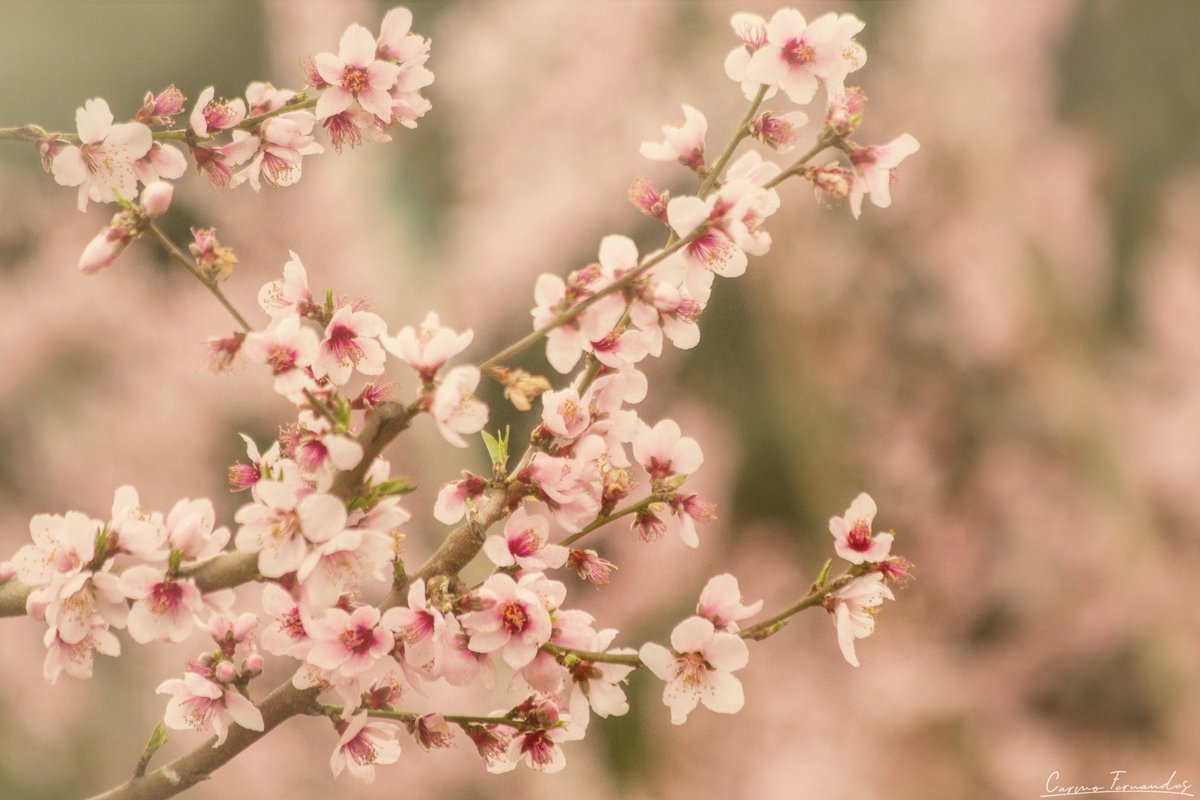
322,526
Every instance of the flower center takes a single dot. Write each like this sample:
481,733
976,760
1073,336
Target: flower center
356,640
355,79
690,668
859,538
281,358
514,617
798,52
525,543
343,343
165,596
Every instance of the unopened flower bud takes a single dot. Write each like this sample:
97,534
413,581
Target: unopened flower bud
108,244
49,147
617,485
253,663
7,571
225,672
156,198
158,110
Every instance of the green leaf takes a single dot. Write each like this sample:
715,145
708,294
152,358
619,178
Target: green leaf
158,738
394,486
497,447
824,573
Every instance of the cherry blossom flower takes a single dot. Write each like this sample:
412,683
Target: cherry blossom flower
61,546
525,544
203,704
363,745
163,609
420,629
565,414
289,348
350,345
263,97
429,348
284,140
780,132
355,74
649,200
102,165
289,294
596,684
852,537
721,603
751,31
798,53
136,530
451,504
161,162
210,115
279,526
455,408
700,668
348,644
343,564
683,143
244,476
853,608
875,169
217,163
664,451
513,619
77,658
285,636
161,109
190,530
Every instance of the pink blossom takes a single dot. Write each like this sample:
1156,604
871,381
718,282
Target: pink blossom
217,163
875,169
106,246
648,200
513,619
348,644
77,658
321,453
596,684
61,546
698,669
780,132
355,74
160,109
289,294
203,705
525,544
74,606
350,345
452,499
721,603
264,97
419,628
284,140
363,745
163,609
138,531
462,665
190,530
853,608
664,451
798,54
102,165
245,476
210,115
565,414
852,537
539,749
289,348
455,408
343,564
285,636
279,526
429,348
683,143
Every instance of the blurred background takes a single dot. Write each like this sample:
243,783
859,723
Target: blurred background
1007,359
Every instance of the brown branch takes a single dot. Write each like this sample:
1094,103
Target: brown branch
187,770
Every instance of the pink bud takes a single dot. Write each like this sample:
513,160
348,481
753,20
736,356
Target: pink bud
254,663
156,198
7,571
103,250
225,672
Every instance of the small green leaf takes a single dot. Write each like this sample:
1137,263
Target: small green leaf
824,573
174,561
158,738
497,447
341,412
394,486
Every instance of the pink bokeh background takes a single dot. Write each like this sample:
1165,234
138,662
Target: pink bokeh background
1007,359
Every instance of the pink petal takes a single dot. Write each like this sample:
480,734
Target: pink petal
93,120
357,47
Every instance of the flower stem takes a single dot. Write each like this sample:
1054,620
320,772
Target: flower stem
179,257
413,716
773,624
628,659
600,522
743,130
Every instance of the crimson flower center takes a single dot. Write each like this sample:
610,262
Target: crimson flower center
859,538
165,596
343,343
798,52
281,358
525,543
514,617
356,640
